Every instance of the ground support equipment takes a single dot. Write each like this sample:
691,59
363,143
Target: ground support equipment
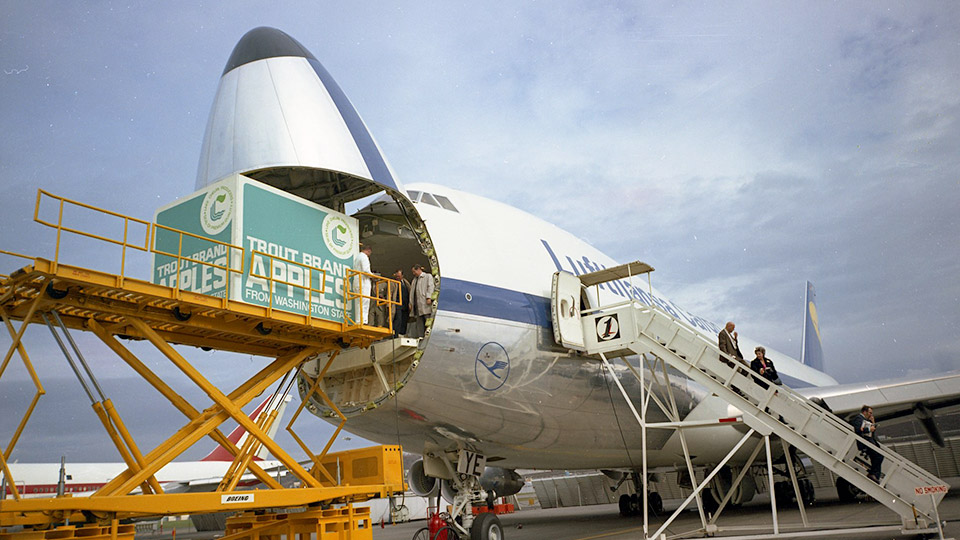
633,328
117,308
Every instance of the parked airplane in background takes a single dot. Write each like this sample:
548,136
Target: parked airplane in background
488,378
83,479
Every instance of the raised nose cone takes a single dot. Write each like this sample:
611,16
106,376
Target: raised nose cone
279,117
262,43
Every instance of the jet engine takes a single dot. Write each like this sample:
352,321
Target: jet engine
447,491
495,481
420,483
503,482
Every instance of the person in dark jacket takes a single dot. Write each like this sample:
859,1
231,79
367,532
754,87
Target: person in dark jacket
763,366
402,312
865,426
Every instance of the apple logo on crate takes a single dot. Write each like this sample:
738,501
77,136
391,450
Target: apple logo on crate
216,212
338,236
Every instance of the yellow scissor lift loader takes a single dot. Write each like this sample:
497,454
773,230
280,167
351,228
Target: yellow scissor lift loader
113,306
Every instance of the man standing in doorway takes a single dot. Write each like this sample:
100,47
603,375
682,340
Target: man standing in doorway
361,263
401,312
420,302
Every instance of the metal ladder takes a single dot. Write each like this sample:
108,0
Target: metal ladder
904,487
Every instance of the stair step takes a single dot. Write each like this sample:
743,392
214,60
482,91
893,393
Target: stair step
820,439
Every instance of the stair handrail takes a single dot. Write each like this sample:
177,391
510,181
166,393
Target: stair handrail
822,413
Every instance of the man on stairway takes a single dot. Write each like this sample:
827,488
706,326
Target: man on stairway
865,426
727,341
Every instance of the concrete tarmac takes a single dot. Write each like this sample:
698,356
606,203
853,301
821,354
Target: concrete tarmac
604,521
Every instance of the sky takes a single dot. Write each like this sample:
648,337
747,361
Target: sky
741,148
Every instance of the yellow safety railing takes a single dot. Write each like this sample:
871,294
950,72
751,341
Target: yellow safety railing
351,281
228,269
13,254
272,279
59,226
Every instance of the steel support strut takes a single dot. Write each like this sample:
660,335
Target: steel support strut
17,346
103,407
208,420
702,485
175,399
227,405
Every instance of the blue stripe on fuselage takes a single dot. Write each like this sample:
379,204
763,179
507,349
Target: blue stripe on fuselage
509,305
489,301
625,289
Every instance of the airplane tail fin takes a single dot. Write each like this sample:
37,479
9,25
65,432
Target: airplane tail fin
811,352
239,435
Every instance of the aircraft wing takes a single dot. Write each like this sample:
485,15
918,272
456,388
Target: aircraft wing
211,483
896,399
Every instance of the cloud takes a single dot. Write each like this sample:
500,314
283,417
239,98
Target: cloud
739,149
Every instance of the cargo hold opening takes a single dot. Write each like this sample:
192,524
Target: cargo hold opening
359,378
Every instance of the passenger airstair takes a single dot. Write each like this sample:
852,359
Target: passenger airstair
632,327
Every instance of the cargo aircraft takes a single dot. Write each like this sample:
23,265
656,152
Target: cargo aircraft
488,389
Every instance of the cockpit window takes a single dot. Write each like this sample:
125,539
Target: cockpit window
428,198
414,195
445,202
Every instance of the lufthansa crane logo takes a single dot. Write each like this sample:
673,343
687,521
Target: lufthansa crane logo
216,212
492,366
816,321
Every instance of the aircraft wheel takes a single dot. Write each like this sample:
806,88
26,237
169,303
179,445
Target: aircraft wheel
846,491
486,526
710,501
655,503
741,493
807,492
624,503
784,493
635,505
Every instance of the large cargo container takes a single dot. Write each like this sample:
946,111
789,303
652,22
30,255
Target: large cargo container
280,250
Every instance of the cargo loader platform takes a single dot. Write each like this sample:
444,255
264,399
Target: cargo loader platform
81,295
118,308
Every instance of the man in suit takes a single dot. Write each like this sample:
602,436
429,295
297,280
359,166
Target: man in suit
865,426
727,341
402,312
421,291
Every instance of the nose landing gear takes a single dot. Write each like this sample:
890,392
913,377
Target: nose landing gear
466,492
486,527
